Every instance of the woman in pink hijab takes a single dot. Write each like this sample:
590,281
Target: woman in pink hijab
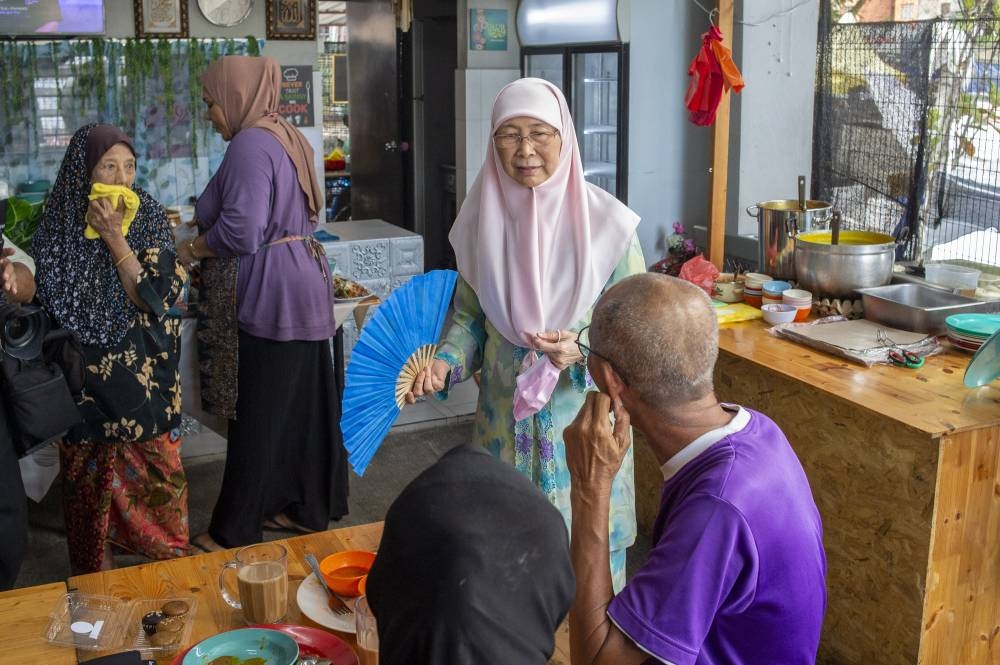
536,246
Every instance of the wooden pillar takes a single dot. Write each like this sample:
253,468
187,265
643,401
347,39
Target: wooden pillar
720,153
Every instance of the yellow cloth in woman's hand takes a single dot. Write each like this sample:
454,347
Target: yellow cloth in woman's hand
114,194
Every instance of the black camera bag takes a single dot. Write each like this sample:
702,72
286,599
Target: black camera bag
39,392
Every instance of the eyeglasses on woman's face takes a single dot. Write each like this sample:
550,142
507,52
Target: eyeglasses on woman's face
528,149
508,140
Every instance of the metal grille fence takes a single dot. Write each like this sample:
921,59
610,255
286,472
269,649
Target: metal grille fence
907,133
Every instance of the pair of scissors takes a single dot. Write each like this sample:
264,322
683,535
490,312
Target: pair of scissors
899,356
904,358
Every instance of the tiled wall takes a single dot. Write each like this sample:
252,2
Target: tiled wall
380,265
475,90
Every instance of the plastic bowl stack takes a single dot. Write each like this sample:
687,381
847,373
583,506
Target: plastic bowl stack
801,300
753,288
968,332
772,290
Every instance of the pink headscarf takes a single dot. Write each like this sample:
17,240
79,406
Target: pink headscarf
538,257
248,88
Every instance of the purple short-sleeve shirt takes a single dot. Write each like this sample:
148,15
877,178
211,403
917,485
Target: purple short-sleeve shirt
282,292
736,573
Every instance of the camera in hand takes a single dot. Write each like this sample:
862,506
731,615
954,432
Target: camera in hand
23,329
41,369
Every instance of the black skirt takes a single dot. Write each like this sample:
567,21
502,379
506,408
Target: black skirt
285,452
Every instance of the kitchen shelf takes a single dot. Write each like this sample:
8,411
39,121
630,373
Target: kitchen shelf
600,129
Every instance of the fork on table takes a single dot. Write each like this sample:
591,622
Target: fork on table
337,606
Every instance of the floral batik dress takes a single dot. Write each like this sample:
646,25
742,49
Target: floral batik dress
122,466
535,445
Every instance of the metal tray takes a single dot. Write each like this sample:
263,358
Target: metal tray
917,308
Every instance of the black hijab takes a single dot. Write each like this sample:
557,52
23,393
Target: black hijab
77,279
101,139
473,568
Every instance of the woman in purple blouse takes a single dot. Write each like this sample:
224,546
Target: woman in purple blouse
266,316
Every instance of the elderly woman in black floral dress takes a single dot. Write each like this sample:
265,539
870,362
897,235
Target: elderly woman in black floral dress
123,483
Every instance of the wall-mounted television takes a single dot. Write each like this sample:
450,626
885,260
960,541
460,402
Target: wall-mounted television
47,18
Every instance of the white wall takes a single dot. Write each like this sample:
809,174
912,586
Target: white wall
668,157
770,127
773,120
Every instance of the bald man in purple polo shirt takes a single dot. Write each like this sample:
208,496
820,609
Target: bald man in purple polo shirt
736,571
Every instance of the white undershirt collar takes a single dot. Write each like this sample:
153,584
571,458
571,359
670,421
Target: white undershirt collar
705,441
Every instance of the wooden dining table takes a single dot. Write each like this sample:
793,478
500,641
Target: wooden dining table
198,576
24,616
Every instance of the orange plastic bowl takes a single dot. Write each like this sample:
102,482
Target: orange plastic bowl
344,571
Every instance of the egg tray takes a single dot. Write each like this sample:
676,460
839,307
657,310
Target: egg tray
849,308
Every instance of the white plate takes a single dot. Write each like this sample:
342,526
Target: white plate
312,601
358,299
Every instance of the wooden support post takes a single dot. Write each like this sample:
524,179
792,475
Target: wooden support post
720,153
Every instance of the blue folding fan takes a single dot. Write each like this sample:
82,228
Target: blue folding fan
399,341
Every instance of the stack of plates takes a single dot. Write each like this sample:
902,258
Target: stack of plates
969,331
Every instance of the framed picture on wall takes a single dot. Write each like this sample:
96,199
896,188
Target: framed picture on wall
291,19
161,18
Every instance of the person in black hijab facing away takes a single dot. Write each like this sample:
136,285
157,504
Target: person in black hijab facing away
473,567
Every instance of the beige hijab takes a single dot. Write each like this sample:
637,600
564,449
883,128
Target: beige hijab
247,88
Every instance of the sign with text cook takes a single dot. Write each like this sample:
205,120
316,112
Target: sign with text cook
296,101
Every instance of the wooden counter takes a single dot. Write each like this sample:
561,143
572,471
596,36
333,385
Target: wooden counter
903,465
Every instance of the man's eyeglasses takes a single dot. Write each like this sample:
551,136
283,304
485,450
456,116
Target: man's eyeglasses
583,344
511,140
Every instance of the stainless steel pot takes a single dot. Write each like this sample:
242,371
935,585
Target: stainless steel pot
778,222
861,259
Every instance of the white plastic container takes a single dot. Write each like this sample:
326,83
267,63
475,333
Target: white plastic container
989,286
952,276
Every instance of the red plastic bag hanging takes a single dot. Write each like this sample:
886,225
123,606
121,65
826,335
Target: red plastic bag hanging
712,70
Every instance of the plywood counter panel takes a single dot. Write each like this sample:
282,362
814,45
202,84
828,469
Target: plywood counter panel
903,467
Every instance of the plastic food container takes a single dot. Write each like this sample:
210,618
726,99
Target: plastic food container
84,621
953,276
98,623
989,286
